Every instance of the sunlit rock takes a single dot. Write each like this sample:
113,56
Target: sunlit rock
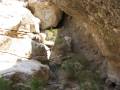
17,47
22,69
15,19
6,60
5,42
25,48
13,58
22,3
40,51
18,24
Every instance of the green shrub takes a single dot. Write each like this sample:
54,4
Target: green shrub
32,84
37,84
4,84
74,65
51,34
78,68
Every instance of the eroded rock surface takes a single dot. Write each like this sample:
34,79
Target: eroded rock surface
99,19
13,59
23,69
18,19
47,12
17,46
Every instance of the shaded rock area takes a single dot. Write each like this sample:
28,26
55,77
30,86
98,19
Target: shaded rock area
99,19
75,68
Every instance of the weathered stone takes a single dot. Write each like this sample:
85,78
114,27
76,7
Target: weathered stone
17,25
22,69
25,48
41,38
13,58
40,51
99,19
47,12
5,42
17,21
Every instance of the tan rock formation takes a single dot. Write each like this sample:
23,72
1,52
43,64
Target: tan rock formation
100,19
47,12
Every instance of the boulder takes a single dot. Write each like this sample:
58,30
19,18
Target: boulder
14,62
47,12
20,70
25,48
17,21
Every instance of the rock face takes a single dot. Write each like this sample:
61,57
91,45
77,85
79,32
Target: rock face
23,69
13,58
17,20
17,46
47,12
22,3
19,26
99,19
25,47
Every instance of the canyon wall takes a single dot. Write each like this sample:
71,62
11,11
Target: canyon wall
99,20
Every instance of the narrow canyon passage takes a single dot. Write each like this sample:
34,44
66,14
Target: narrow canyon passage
59,45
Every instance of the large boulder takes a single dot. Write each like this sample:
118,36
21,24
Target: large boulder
24,48
47,12
99,19
13,21
22,69
15,62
